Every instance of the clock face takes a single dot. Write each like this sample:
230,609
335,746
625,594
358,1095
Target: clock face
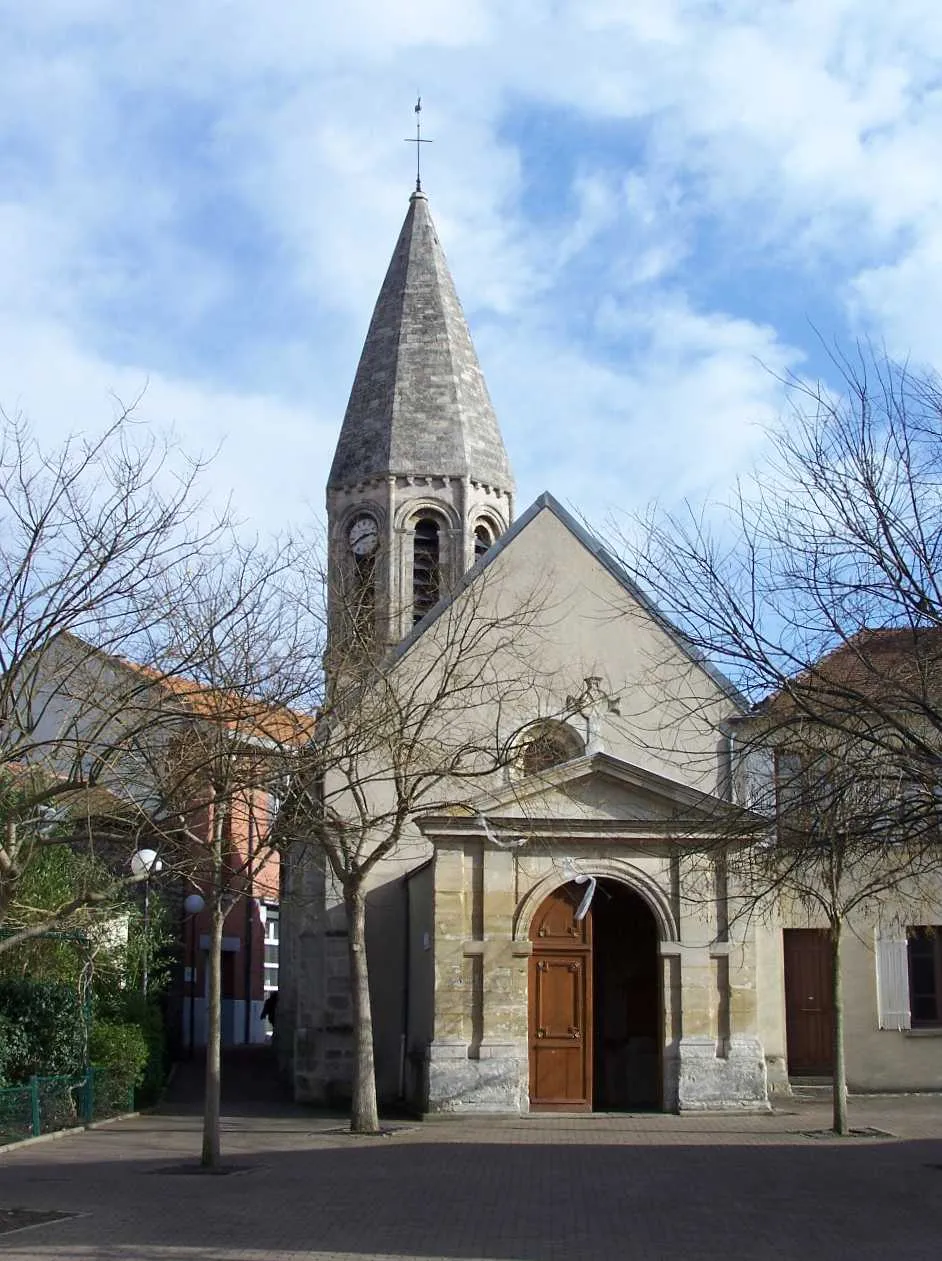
363,535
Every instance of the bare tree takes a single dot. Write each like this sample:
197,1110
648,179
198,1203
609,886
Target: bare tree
838,533
850,839
95,538
151,666
240,682
424,730
816,589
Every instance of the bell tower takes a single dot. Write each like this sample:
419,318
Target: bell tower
420,485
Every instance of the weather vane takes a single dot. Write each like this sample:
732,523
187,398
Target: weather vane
418,142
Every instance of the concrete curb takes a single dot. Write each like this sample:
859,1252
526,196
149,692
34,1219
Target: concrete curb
71,1129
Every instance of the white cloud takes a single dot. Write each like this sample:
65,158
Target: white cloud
246,437
903,300
206,195
668,420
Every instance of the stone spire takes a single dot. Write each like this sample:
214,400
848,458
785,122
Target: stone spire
419,406
420,485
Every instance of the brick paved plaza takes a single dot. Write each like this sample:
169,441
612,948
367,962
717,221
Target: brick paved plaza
518,1189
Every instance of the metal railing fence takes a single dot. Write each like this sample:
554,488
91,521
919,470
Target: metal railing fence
44,1104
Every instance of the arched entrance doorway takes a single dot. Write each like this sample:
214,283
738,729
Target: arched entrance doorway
594,1002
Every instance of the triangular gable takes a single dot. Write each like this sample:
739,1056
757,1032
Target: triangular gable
589,796
547,503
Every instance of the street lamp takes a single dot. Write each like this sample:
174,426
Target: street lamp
145,863
193,903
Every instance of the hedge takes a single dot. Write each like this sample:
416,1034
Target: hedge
43,1029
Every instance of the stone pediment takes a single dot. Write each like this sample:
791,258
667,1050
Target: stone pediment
592,795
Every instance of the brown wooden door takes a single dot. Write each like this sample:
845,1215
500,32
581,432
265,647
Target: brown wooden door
809,1012
561,1005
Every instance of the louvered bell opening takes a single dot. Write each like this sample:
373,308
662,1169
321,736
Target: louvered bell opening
426,567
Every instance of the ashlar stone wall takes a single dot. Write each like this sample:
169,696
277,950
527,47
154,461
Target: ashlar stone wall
484,901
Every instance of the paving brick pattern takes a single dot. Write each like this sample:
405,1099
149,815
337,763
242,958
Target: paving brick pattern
528,1189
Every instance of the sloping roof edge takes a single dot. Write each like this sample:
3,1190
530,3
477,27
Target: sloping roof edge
605,558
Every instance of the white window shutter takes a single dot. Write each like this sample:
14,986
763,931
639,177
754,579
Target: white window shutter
753,784
789,782
892,983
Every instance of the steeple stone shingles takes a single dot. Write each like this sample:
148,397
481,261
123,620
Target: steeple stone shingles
419,404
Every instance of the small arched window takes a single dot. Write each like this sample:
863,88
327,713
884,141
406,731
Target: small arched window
363,541
547,744
426,567
364,597
483,539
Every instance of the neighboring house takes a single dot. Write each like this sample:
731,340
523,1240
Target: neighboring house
250,935
93,717
847,749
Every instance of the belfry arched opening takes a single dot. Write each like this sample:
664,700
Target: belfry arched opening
595,1007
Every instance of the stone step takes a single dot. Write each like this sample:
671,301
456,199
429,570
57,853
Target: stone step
811,1087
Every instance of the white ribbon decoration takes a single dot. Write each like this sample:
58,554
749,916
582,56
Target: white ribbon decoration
579,877
511,842
586,897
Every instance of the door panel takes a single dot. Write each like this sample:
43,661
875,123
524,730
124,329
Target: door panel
809,1015
560,996
561,1006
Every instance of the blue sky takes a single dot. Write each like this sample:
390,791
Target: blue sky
649,209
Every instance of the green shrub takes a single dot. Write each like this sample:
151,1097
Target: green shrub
121,1048
50,1018
14,1049
129,1007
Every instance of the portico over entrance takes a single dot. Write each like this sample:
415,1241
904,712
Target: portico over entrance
646,1001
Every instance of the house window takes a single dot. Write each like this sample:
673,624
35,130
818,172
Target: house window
924,947
271,948
426,567
791,791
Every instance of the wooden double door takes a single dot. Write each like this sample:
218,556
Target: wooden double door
594,1003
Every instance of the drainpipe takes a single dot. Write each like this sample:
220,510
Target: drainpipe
249,927
406,964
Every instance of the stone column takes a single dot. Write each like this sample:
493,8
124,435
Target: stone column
448,1050
672,1000
451,898
747,1072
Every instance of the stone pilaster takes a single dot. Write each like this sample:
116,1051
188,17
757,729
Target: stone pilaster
477,1061
720,1062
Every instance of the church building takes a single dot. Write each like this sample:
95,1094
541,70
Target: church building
496,985
553,946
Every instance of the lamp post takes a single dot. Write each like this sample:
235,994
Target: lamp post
193,903
143,864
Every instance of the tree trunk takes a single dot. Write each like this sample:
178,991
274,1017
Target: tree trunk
211,1099
364,1113
837,1000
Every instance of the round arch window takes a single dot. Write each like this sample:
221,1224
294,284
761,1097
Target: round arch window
485,535
547,744
426,565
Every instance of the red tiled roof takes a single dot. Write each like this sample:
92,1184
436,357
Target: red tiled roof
884,665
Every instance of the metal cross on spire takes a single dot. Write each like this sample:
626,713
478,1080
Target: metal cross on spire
418,142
